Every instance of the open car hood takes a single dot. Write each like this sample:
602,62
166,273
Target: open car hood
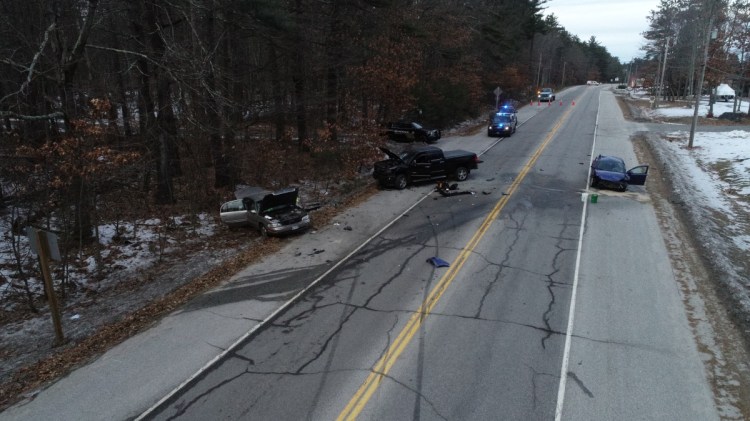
390,154
284,197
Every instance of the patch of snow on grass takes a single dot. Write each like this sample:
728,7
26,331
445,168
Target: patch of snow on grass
127,247
719,167
708,187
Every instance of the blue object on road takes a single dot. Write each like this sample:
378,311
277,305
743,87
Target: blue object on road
438,262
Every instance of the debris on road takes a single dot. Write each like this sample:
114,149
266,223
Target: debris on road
438,262
450,190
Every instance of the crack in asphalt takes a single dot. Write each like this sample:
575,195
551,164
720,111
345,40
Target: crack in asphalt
548,312
181,408
324,346
551,283
329,362
534,375
506,258
475,318
345,319
224,316
418,393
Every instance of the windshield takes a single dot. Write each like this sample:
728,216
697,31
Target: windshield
500,118
407,156
613,165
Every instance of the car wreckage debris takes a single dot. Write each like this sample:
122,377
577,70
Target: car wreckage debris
450,190
438,262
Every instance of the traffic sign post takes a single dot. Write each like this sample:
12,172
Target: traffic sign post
44,244
497,93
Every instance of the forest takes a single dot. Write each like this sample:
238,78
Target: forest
116,110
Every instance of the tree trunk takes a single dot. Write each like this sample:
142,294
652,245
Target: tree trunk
69,65
298,76
165,133
167,164
276,91
214,102
333,55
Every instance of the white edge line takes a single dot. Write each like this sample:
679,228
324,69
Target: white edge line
283,308
571,311
273,315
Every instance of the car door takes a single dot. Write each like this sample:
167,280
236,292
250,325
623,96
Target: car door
252,216
413,131
421,167
637,175
233,213
437,165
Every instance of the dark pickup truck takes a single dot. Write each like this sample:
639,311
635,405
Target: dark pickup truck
410,131
423,164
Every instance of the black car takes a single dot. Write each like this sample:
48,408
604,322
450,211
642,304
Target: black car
609,172
410,131
502,124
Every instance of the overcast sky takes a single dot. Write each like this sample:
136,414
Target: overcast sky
616,24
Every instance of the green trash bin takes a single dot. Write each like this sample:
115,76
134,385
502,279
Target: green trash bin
594,197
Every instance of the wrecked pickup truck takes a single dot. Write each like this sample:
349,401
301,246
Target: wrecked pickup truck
271,213
423,164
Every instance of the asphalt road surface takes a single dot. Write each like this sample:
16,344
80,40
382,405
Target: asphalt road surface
553,307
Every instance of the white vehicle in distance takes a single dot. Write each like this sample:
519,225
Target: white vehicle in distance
546,95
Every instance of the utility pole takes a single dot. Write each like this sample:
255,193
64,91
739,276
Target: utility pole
539,72
562,81
663,71
627,78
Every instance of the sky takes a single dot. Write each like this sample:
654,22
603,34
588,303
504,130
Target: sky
616,24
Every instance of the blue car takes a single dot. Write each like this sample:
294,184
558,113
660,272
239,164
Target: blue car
609,172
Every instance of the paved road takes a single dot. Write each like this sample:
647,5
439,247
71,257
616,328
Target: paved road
386,335
389,336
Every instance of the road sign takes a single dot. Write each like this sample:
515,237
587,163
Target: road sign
44,244
497,93
54,250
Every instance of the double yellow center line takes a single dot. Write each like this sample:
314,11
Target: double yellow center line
389,358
